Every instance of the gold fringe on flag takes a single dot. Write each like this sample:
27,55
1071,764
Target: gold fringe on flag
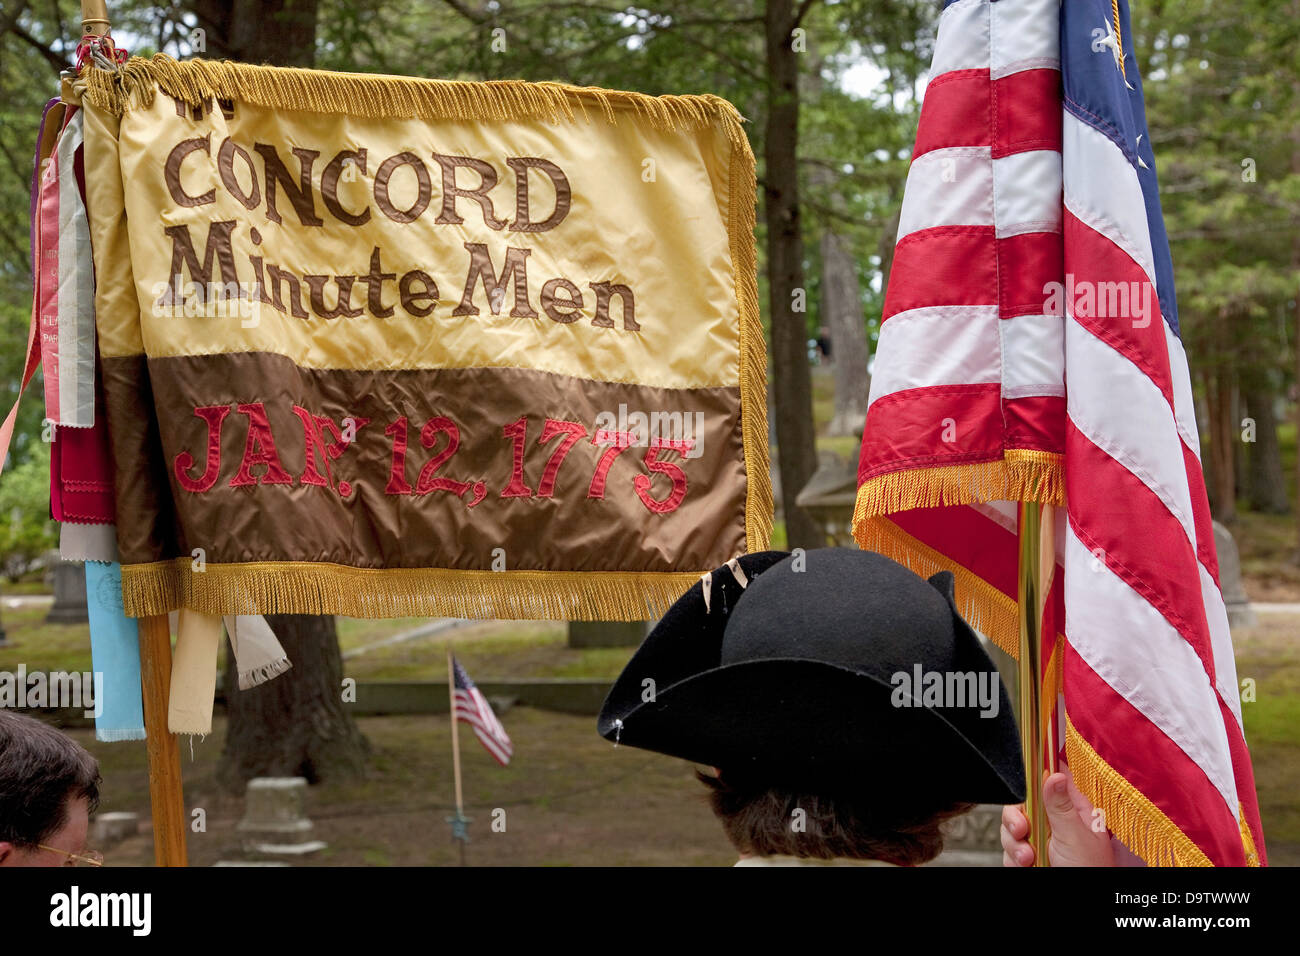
1022,474
1247,840
1051,688
983,606
301,587
1130,815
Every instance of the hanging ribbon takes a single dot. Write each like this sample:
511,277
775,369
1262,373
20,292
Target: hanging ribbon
115,654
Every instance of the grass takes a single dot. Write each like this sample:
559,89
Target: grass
1268,655
489,650
51,647
34,584
1267,547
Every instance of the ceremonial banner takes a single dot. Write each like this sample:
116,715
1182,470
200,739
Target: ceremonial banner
1029,351
381,346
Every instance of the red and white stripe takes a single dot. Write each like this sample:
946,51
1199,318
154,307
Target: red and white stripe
1007,193
1140,559
472,708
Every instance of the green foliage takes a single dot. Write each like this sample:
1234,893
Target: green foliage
26,530
1222,88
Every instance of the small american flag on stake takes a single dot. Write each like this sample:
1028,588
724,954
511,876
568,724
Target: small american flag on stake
472,707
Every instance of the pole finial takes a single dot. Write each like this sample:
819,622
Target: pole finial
94,18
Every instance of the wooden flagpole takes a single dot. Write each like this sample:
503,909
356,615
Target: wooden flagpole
1037,535
166,798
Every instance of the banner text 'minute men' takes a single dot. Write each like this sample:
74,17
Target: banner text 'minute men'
197,280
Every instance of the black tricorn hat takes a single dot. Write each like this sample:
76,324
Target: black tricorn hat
824,671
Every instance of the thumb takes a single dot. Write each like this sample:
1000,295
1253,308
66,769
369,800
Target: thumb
1061,814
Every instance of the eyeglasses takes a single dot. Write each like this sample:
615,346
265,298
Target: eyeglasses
89,858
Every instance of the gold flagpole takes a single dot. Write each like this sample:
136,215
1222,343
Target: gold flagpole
1035,547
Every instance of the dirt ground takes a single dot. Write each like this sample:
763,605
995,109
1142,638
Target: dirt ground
569,799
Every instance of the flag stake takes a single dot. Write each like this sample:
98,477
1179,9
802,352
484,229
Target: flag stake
459,830
1031,600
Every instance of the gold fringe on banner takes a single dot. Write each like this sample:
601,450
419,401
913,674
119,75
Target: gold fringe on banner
753,353
983,606
1130,815
302,587
380,96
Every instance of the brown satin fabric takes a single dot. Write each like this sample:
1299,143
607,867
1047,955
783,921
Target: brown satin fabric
371,529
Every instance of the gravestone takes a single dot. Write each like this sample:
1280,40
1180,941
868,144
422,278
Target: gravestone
275,822
1240,613
972,839
69,583
829,497
111,828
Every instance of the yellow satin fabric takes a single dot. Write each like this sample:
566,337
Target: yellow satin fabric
668,239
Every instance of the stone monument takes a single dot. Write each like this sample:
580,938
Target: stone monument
275,822
69,583
1240,613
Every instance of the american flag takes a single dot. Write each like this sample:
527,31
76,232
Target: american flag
1029,350
472,707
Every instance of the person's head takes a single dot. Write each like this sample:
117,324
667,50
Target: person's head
764,820
49,786
850,708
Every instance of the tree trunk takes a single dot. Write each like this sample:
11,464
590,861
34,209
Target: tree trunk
297,724
1223,437
796,448
1266,485
279,32
1295,262
888,240
841,310
1243,452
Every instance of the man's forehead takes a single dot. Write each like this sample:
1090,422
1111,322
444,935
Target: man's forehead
72,835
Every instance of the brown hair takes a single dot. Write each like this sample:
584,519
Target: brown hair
758,819
41,772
